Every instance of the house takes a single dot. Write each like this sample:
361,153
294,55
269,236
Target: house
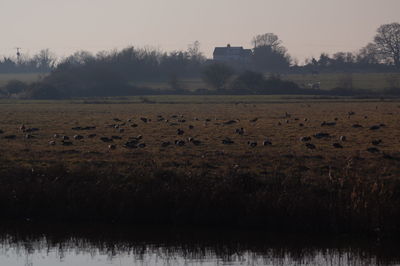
231,54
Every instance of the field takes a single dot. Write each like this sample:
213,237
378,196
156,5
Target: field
328,81
367,81
25,77
241,161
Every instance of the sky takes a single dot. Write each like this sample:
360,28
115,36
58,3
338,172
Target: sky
306,27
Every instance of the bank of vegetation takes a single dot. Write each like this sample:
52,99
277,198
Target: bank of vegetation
118,72
347,197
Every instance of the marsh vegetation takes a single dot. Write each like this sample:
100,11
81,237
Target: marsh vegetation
304,166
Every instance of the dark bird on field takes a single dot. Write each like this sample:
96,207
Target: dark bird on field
144,119
141,145
376,142
373,150
32,129
191,126
180,131
310,146
116,137
239,131
252,143
227,141
179,143
375,127
165,144
357,126
92,136
78,137
267,142
305,139
328,124
112,147
230,122
105,139
137,138
131,144
66,143
321,135
196,142
342,138
337,145
134,125
65,138
29,136
254,120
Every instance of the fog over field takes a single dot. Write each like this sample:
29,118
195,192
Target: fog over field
306,27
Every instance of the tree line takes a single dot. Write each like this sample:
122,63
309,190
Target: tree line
116,72
42,62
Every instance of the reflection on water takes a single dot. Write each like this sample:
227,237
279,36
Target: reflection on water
88,245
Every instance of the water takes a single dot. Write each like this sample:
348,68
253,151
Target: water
92,245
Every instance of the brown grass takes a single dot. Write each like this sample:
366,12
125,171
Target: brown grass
339,189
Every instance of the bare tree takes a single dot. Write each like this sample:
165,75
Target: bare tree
387,41
45,60
369,54
269,55
217,75
194,52
267,39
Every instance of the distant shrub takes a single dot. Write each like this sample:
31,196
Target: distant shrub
42,91
340,91
249,80
346,81
217,75
15,87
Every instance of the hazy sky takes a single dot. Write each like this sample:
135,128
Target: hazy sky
306,27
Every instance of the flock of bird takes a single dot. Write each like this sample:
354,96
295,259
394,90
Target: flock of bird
137,141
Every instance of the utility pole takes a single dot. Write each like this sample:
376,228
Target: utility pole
18,54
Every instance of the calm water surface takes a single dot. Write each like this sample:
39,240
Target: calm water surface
93,245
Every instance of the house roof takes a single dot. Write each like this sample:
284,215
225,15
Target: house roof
231,50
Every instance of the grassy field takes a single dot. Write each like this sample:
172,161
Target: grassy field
367,81
208,121
325,183
25,77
